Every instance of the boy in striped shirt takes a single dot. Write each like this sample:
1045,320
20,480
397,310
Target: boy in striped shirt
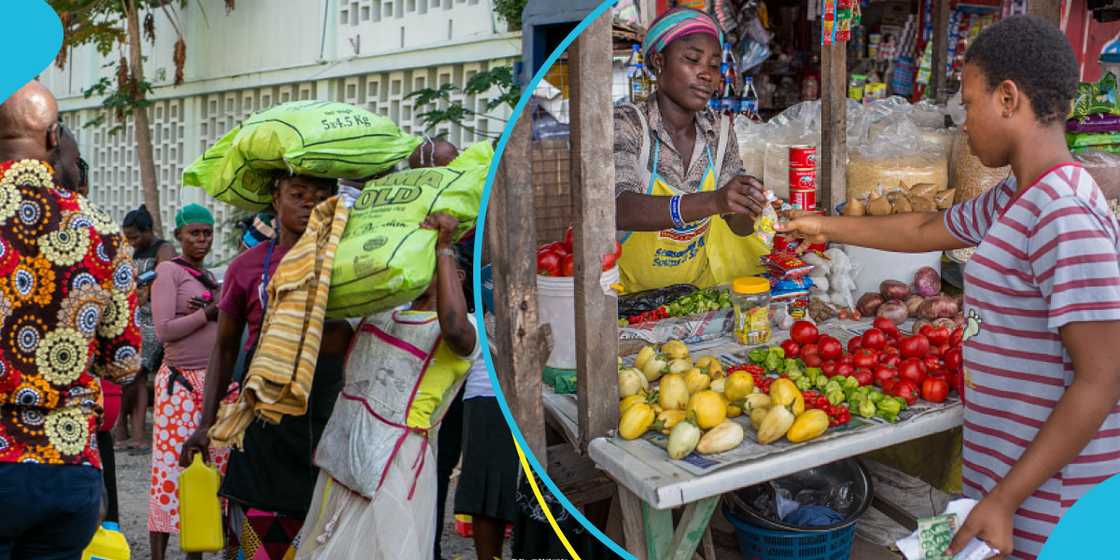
1042,374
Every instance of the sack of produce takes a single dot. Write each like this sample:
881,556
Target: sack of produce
316,138
897,155
385,259
970,177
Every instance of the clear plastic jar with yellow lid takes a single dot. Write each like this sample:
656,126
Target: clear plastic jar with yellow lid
750,295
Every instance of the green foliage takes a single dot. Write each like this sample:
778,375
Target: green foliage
501,78
510,10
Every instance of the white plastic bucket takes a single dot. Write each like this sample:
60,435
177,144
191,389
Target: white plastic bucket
556,302
872,266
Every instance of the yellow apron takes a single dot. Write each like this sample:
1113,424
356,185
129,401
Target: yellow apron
704,253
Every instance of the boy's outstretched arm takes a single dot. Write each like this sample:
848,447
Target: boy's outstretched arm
915,232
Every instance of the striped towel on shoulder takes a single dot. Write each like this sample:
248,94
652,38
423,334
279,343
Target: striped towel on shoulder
279,378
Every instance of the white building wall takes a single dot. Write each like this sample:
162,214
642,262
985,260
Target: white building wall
268,52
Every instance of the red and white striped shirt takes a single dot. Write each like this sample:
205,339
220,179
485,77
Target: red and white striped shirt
1046,257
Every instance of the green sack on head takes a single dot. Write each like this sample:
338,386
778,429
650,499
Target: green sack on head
385,259
316,138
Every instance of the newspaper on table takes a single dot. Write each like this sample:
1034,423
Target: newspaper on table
694,329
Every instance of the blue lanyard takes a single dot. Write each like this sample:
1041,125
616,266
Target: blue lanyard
262,288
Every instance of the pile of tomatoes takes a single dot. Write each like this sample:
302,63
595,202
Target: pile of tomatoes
924,365
557,259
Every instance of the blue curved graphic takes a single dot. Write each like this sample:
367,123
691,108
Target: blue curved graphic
480,235
1083,532
32,37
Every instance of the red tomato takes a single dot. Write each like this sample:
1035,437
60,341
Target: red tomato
886,326
568,239
907,390
855,344
891,350
956,336
811,360
912,369
925,330
848,359
864,376
556,247
567,266
791,348
938,336
953,359
892,360
883,373
865,358
828,368
932,362
548,263
845,370
934,352
935,390
810,348
914,346
892,341
874,339
889,385
829,348
804,332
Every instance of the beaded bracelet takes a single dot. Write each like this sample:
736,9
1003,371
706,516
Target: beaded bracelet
675,211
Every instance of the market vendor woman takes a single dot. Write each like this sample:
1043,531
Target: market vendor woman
683,202
1042,293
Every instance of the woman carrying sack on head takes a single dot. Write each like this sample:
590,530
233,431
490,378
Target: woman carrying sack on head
185,312
685,210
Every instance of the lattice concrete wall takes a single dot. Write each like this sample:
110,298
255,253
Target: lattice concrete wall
184,127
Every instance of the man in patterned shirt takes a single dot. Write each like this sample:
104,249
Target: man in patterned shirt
67,306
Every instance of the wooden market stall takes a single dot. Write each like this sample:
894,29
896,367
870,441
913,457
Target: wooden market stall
645,492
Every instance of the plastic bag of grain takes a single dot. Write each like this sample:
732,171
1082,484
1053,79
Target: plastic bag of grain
752,145
385,259
316,138
1105,170
972,178
897,155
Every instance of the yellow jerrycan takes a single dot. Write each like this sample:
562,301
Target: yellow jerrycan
200,511
108,544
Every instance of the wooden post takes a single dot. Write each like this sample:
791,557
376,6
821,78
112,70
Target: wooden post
1050,10
940,48
592,180
834,126
523,344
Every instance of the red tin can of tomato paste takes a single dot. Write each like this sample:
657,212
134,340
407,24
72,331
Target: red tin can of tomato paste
802,179
803,157
803,199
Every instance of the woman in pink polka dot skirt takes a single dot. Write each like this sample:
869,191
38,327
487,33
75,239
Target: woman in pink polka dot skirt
184,312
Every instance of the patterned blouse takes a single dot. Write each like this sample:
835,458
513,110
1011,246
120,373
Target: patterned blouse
67,302
670,165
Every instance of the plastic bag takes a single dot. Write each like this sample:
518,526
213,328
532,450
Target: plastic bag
385,259
315,138
752,145
1104,167
640,302
897,154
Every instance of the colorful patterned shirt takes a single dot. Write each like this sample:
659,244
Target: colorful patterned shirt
1047,256
68,306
